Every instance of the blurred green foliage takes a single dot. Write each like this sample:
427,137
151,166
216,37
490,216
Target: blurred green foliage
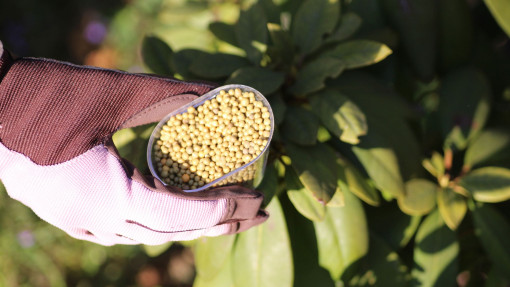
390,164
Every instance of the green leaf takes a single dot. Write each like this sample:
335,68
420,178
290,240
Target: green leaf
218,65
419,198
493,230
300,126
382,166
156,250
490,146
258,250
340,115
359,53
469,87
435,253
488,184
452,207
251,33
349,24
395,227
500,9
313,20
381,267
312,76
182,61
307,271
358,185
211,254
342,236
415,21
303,199
279,108
157,55
264,80
269,184
222,278
282,48
317,169
225,32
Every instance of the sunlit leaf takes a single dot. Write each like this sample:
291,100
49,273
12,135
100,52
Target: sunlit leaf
342,236
419,197
258,250
251,32
211,254
312,76
225,32
156,250
462,122
222,278
488,184
317,169
359,53
349,24
452,207
493,231
381,267
500,9
489,146
313,20
358,185
264,80
416,24
217,65
303,199
157,55
435,253
340,115
300,126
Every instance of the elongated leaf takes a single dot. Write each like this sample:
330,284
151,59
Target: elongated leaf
264,80
382,166
493,231
415,21
435,253
303,199
452,207
359,53
225,32
218,65
382,267
222,278
157,55
313,20
311,78
156,250
461,123
251,33
182,61
283,47
488,184
258,250
402,227
342,237
349,24
211,254
419,198
340,115
358,185
491,146
500,9
300,126
307,271
317,169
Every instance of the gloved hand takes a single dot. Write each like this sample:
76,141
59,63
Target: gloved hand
57,156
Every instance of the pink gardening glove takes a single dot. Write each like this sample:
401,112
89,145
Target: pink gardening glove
57,156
